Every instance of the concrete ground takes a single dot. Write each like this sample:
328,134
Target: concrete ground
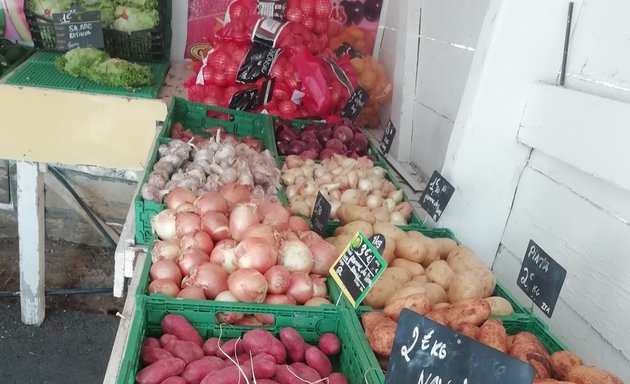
74,342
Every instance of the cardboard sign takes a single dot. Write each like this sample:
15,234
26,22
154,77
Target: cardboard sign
426,352
357,268
436,195
321,214
388,138
355,104
76,28
541,278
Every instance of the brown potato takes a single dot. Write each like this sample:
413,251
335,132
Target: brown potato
406,290
399,274
470,330
463,258
488,281
445,246
440,306
437,316
465,286
418,302
467,312
370,320
390,231
381,338
437,294
439,272
348,213
583,374
421,279
341,242
526,347
500,306
492,333
414,268
382,289
412,248
433,252
389,253
354,227
562,362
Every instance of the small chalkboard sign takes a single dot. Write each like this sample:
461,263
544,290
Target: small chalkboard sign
436,195
357,268
358,100
320,215
77,28
426,352
541,278
388,138
379,242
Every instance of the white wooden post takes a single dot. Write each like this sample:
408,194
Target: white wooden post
30,202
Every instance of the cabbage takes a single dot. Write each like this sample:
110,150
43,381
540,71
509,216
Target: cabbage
130,19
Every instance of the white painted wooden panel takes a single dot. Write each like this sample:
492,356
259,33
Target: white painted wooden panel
453,21
399,55
589,132
610,198
589,242
599,57
430,138
572,329
442,74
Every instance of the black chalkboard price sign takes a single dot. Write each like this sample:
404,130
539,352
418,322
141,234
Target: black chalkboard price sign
358,100
425,352
436,195
320,215
357,269
388,138
541,278
78,28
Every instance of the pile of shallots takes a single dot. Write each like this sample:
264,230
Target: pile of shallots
343,180
210,166
233,246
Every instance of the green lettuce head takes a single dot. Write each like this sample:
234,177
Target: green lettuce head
80,61
121,73
129,19
46,8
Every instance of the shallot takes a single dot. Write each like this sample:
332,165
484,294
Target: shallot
165,287
230,318
242,217
248,285
164,224
179,196
211,202
165,249
256,253
278,279
199,239
211,277
295,256
190,258
187,223
301,287
224,254
217,225
167,270
192,292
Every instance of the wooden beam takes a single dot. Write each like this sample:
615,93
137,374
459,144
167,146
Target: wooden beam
30,191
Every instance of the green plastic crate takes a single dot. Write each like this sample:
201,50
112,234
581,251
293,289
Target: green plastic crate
194,117
356,360
520,323
40,71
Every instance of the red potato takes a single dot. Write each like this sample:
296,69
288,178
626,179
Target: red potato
185,350
258,341
264,368
150,355
160,371
229,347
167,338
174,380
228,375
211,346
151,342
337,378
296,373
330,344
180,327
197,370
266,381
317,360
294,343
306,372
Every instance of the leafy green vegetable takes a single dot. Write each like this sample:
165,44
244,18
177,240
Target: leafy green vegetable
120,73
106,7
142,4
46,8
130,19
80,61
97,66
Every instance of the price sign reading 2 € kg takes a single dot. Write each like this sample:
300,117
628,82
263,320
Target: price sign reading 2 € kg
425,352
436,195
541,278
358,268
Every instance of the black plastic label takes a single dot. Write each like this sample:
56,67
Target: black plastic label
355,104
378,241
266,32
245,100
436,195
78,29
388,137
426,352
257,64
341,75
321,214
541,278
346,48
275,9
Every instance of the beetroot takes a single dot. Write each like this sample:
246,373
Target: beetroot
343,133
296,147
336,145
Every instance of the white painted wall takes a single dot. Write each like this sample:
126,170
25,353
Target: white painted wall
449,31
534,161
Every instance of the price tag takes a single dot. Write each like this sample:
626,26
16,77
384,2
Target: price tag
358,267
346,48
77,28
541,278
378,241
275,9
245,100
388,138
355,105
436,195
321,214
426,352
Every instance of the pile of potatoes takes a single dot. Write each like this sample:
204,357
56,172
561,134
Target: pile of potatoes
423,273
